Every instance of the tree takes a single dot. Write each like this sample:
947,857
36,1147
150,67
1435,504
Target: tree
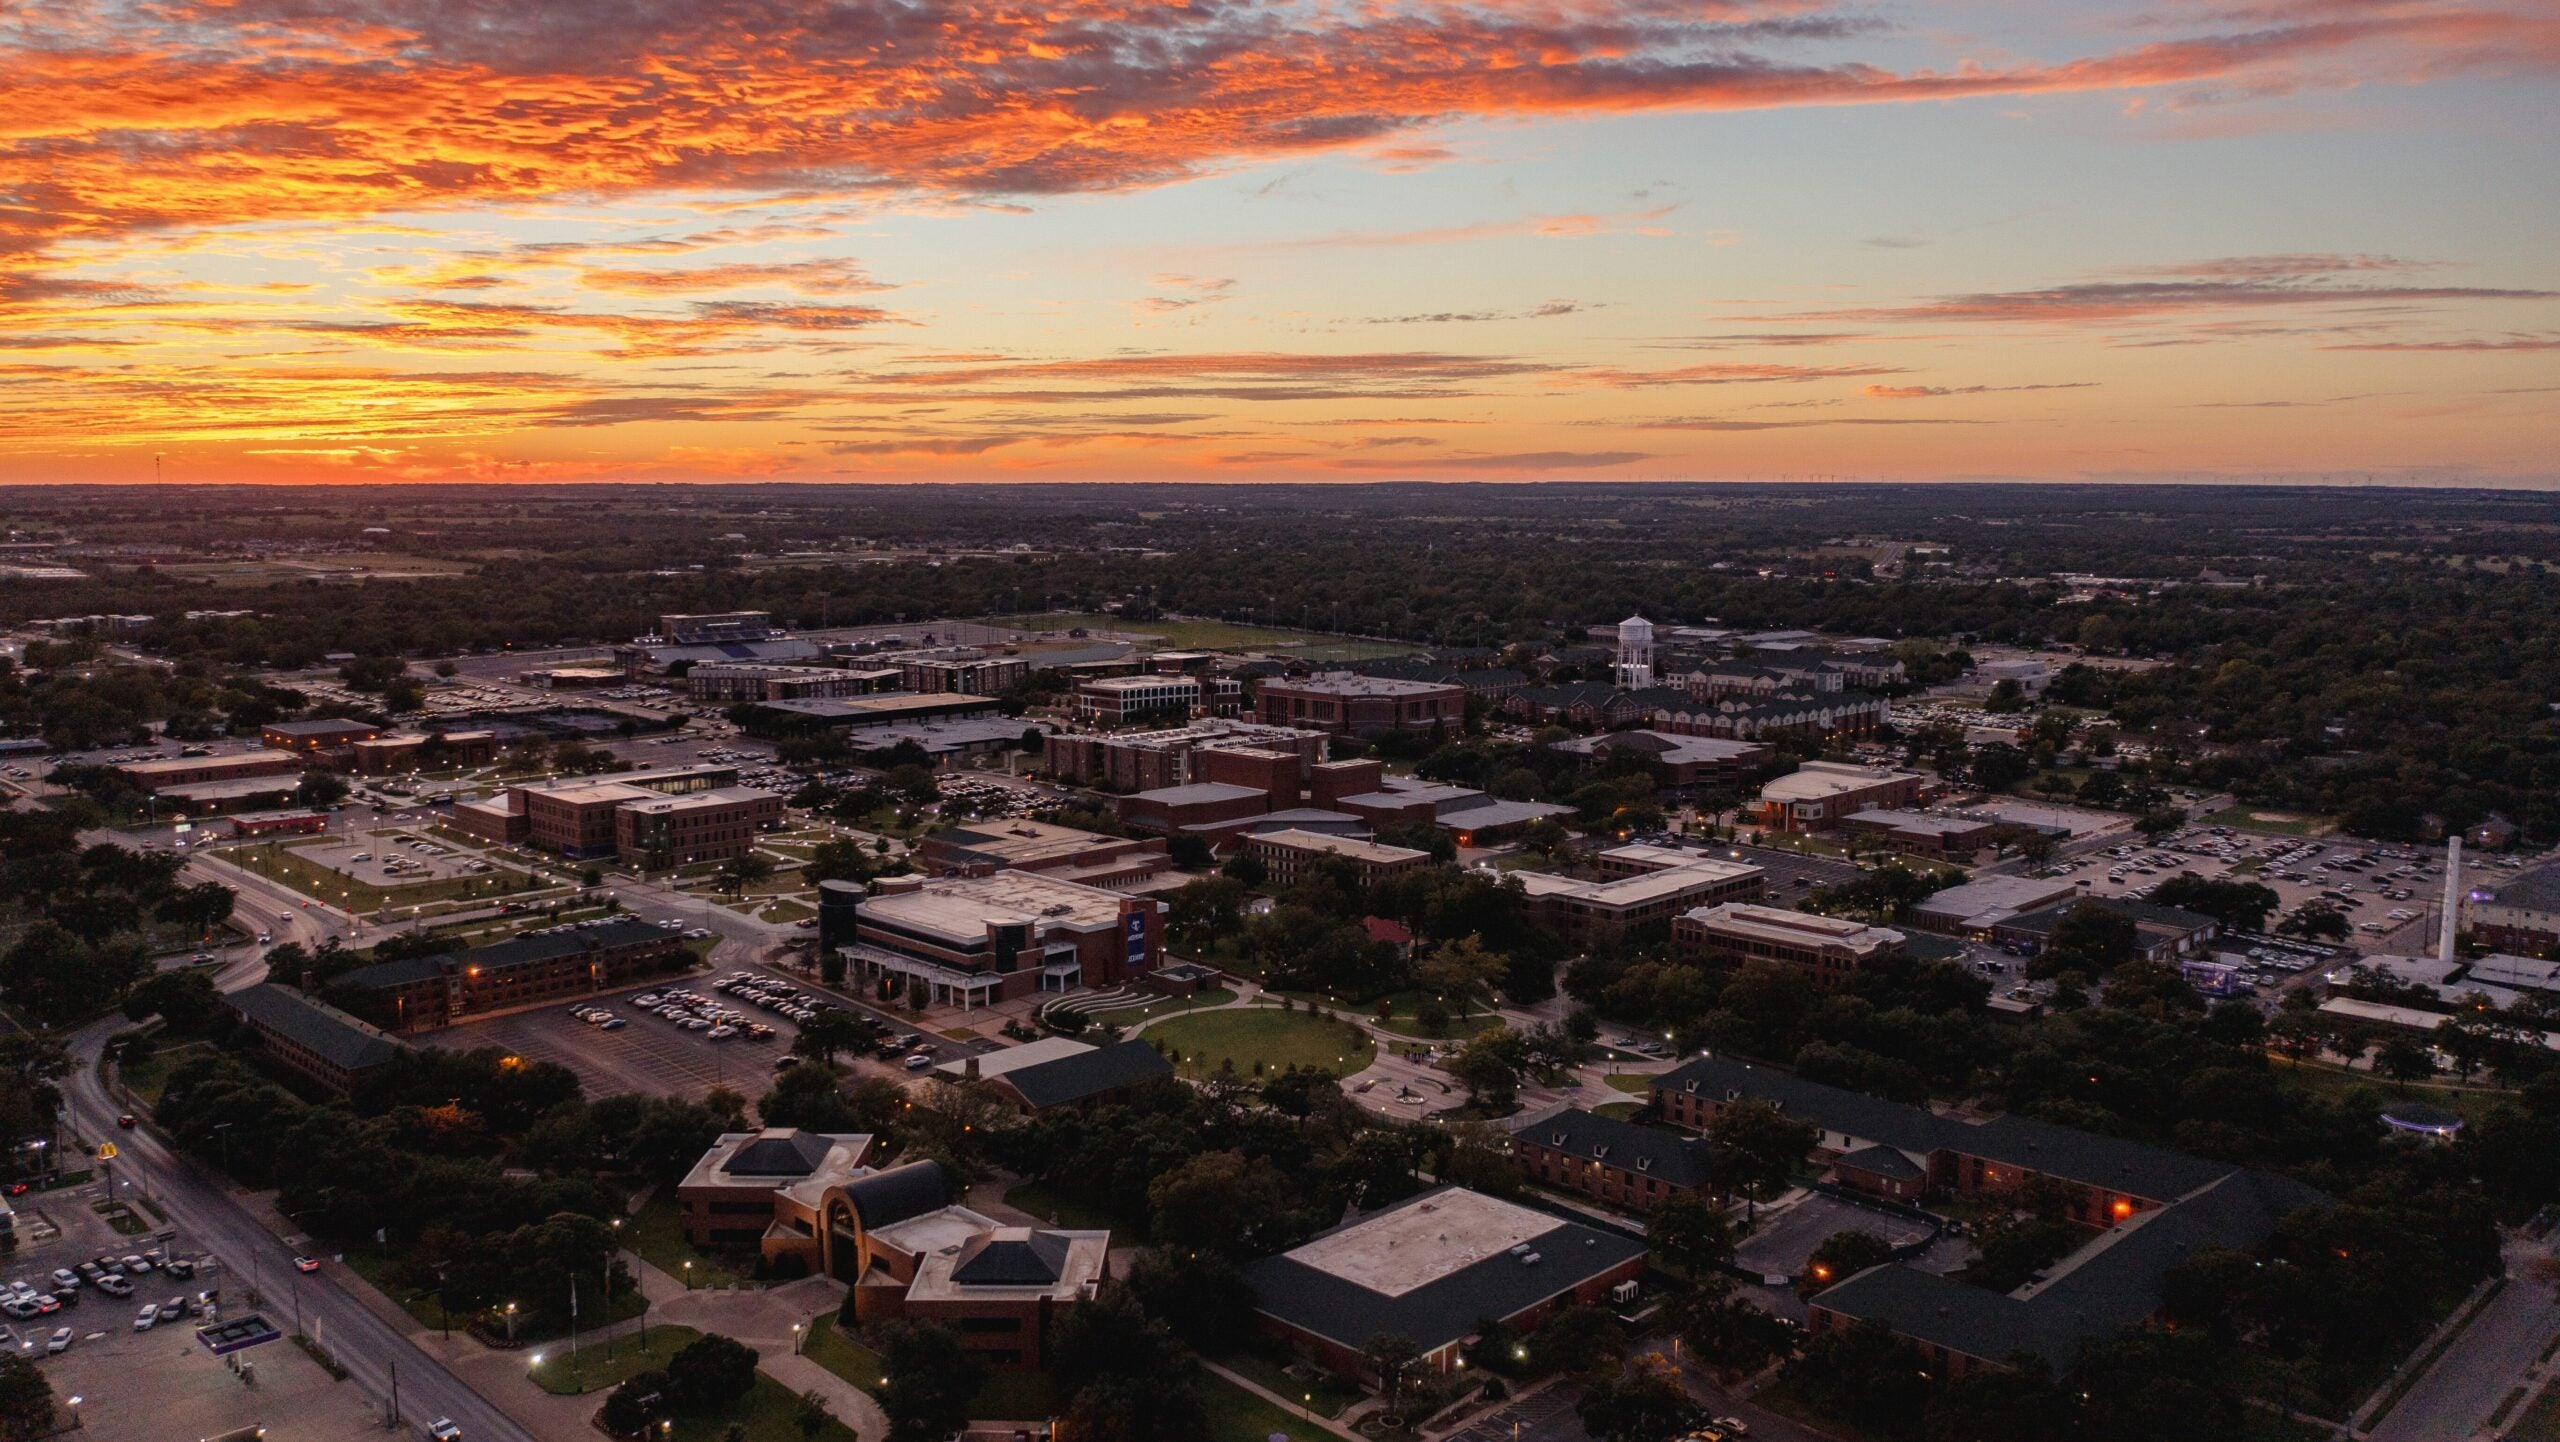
2159,822
2238,905
320,788
638,1402
185,999
1189,852
1218,1201
2092,937
931,1379
2404,1059
1489,1067
1757,1148
198,908
1642,1403
812,1416
1390,1357
26,1400
807,1097
827,1033
1841,1256
1689,1234
1460,969
2007,698
742,871
2316,921
709,1373
1578,1339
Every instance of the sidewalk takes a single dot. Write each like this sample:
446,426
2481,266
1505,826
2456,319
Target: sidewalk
762,1317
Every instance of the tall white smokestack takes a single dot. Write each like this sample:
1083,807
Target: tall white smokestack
2452,897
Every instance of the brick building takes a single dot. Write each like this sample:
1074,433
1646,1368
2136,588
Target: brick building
1088,858
1828,949
1821,794
1288,856
1434,1268
1341,703
311,1038
968,941
1615,1163
316,738
1150,760
163,773
421,993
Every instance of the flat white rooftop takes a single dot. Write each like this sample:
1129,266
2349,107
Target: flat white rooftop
1414,1246
1698,875
960,907
1816,780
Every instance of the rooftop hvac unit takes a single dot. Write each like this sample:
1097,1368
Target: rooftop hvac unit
1529,1260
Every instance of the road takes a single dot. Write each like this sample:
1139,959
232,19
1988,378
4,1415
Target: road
209,1220
2455,1397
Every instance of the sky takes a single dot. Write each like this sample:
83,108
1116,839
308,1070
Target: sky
652,240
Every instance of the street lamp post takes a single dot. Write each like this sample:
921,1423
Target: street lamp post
511,1323
795,1339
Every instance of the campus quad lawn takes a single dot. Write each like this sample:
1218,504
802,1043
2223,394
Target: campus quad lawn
656,1232
1266,1034
1002,1397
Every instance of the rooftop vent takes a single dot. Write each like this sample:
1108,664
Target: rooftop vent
1529,1260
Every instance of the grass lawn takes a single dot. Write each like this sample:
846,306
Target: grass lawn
278,862
149,1076
2541,1421
2281,823
1211,635
771,1414
788,910
1632,1083
1236,1415
1271,1372
2334,1083
657,1234
1263,1039
593,1371
1622,1111
1044,1202
1003,1397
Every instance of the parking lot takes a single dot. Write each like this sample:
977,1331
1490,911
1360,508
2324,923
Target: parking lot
647,1054
1779,1249
2391,895
392,858
159,1382
1546,1415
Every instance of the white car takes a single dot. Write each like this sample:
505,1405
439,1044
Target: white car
59,1343
150,1314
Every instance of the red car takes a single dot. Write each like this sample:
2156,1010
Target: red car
125,1121
306,1264
17,1189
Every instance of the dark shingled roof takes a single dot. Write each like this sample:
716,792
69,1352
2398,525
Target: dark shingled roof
884,1199
779,1154
2100,1161
2112,1283
1446,1309
621,931
1087,1073
1677,1160
1001,1259
336,1037
1883,1162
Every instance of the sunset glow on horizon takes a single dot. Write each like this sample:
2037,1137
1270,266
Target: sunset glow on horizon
404,240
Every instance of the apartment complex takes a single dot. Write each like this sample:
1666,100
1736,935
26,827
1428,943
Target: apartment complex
421,993
627,815
1616,1163
656,832
962,672
2520,914
1680,763
1828,949
310,1037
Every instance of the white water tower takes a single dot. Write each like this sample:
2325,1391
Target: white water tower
1635,653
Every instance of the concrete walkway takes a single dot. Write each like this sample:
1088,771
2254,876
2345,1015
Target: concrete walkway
762,1317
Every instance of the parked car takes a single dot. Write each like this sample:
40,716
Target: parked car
144,1320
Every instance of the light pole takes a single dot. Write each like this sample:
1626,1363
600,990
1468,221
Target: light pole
511,1323
688,1276
795,1339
